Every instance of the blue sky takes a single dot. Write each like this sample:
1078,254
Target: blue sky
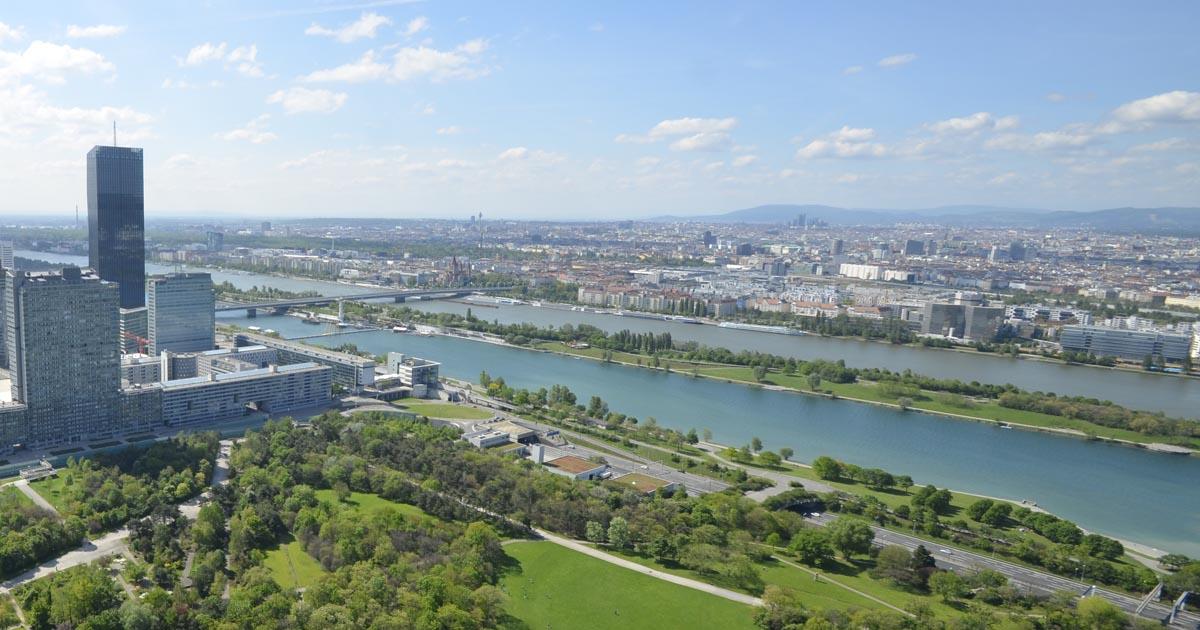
589,110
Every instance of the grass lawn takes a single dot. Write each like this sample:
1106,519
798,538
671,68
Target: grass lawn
362,502
554,587
8,615
292,567
445,410
13,494
51,489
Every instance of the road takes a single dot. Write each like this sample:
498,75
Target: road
114,542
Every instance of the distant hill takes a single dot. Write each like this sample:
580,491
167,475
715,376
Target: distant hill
1172,219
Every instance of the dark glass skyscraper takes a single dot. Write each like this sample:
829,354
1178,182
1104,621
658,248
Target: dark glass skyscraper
116,223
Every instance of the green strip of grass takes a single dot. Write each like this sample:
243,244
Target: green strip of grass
555,587
292,567
443,410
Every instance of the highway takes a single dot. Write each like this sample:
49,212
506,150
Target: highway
357,297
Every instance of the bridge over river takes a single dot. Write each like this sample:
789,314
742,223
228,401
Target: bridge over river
279,307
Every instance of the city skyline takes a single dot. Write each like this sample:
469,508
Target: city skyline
421,109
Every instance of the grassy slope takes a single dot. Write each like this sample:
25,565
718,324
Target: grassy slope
17,496
51,489
443,410
554,587
292,567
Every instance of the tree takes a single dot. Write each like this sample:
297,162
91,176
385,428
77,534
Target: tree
209,529
786,453
708,436
850,536
1100,614
827,468
760,373
814,381
947,585
692,438
594,532
782,608
811,546
904,403
618,532
894,563
756,444
770,459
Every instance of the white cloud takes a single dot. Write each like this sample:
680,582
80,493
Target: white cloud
1166,144
364,27
252,132
183,84
744,160
847,142
416,25
689,134
243,59
45,61
706,141
897,60
298,100
409,63
28,117
1069,138
515,153
1003,178
10,32
1170,107
979,121
1056,97
204,53
98,30
681,126
452,130
848,178
852,70
312,159
597,27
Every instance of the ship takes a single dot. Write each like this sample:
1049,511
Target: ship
779,330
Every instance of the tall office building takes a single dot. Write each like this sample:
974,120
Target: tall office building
64,359
116,223
6,255
180,312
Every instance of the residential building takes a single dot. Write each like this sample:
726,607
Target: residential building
224,397
116,225
181,315
64,354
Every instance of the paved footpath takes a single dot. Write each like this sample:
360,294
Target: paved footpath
740,598
91,550
23,486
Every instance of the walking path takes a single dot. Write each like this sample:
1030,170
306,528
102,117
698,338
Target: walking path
735,596
23,486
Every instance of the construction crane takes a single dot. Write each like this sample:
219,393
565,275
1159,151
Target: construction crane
141,342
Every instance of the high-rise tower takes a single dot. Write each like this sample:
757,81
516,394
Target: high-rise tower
116,220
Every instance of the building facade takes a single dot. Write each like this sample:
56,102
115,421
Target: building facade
1132,345
64,354
116,224
180,312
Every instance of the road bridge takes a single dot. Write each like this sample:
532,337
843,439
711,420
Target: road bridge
280,307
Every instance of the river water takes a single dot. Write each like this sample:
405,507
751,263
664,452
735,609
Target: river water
1121,491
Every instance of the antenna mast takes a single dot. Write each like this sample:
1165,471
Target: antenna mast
114,133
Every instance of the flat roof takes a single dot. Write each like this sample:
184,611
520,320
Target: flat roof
245,374
573,464
512,428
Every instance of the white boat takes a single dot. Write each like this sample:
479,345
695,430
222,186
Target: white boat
535,303
400,329
254,329
779,330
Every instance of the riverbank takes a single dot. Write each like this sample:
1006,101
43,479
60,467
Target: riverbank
855,392
963,350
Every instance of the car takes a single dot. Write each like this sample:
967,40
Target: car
947,552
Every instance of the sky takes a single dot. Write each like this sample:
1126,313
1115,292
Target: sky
586,110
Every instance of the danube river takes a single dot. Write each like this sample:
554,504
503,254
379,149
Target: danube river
1172,395
1121,491
1175,396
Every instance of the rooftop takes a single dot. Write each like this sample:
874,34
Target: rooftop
573,464
640,482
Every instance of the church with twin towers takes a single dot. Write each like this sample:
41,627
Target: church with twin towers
80,346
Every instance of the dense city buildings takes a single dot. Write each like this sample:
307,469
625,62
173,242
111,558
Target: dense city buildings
180,312
116,223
